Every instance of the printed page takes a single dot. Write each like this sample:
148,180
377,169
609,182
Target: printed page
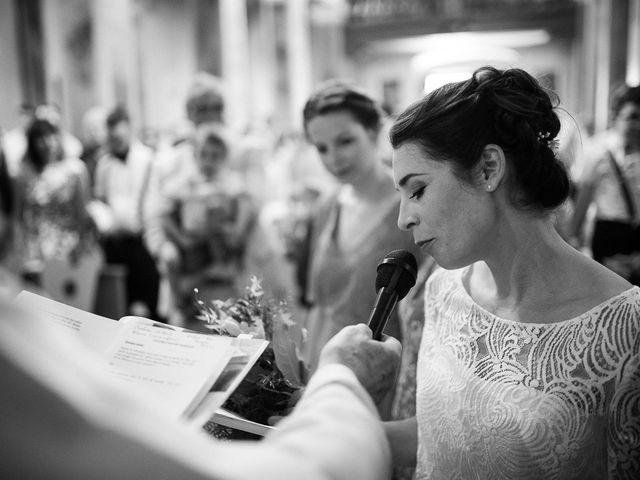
246,351
94,331
176,367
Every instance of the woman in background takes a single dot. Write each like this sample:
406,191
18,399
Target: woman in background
343,124
52,197
529,365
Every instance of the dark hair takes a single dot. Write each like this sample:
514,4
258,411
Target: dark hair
336,95
117,115
622,95
508,108
37,129
206,93
6,187
7,206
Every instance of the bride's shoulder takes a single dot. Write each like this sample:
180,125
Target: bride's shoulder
596,289
597,282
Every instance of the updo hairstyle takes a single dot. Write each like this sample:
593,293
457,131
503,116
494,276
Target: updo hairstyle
508,108
335,96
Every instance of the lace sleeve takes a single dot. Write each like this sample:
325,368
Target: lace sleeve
624,421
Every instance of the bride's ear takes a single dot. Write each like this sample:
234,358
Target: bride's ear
491,167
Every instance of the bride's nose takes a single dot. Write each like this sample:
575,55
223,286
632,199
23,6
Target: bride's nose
406,220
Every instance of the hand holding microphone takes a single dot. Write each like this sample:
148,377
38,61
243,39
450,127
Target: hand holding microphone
397,274
375,363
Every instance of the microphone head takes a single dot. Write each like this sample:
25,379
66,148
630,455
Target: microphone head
406,263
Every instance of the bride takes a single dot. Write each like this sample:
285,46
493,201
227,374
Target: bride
529,365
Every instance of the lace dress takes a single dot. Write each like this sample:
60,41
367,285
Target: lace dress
499,399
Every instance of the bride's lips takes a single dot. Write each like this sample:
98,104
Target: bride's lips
424,244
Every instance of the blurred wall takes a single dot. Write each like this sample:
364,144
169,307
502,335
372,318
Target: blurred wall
67,40
165,43
10,91
271,53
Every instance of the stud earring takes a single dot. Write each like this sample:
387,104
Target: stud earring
489,187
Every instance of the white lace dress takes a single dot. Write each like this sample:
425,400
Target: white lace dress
498,399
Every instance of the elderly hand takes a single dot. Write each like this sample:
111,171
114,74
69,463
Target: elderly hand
375,363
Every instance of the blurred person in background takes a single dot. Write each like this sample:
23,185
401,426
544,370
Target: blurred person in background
121,182
204,104
278,245
343,124
207,219
94,137
9,259
52,200
14,140
611,182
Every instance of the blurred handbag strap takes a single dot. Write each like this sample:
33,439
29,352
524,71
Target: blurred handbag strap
624,186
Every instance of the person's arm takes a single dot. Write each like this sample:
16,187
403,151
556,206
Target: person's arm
74,426
153,207
245,216
335,431
173,231
403,439
80,204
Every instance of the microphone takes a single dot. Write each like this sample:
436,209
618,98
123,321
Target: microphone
397,273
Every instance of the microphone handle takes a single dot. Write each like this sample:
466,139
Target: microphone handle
385,303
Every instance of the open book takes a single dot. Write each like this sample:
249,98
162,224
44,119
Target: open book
190,374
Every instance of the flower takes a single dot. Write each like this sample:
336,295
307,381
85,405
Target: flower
235,316
274,383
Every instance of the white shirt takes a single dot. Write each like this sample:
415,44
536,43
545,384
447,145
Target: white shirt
608,196
122,185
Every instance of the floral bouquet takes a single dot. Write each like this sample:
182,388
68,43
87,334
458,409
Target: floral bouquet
274,384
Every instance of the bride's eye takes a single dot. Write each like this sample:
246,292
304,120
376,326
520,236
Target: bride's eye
417,194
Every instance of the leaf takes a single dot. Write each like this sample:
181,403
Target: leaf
287,345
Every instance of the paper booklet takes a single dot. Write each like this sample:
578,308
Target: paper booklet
230,419
190,373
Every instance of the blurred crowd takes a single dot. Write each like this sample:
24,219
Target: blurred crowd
206,207
203,207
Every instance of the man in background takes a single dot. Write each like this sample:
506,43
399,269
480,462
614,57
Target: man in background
121,182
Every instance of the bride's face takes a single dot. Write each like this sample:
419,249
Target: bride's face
450,219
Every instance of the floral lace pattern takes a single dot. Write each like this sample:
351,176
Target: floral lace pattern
500,399
53,214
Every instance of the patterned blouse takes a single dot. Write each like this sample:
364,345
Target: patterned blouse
53,213
500,399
